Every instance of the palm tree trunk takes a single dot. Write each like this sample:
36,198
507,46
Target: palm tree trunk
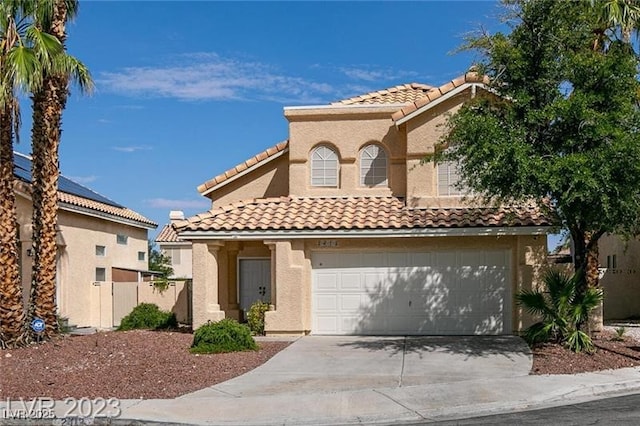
48,104
12,313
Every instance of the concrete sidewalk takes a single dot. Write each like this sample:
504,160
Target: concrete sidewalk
384,405
387,405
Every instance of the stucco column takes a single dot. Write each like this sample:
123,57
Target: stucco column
288,279
274,263
206,306
232,267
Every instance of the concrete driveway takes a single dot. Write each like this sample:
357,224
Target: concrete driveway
332,363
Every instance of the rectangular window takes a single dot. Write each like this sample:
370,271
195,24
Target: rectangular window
122,239
612,262
142,255
101,251
101,274
174,254
448,179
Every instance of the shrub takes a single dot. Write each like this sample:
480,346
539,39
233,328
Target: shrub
255,317
562,310
620,331
226,335
148,316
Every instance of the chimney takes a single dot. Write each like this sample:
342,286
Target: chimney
176,215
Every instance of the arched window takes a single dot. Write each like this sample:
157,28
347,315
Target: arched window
324,167
373,166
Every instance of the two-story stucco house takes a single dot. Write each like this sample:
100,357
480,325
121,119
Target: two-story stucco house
102,250
344,230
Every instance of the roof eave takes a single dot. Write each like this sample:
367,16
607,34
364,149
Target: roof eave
103,215
366,233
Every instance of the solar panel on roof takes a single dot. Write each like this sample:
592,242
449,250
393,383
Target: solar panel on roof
22,170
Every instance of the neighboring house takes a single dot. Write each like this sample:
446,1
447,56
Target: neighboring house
344,230
620,281
177,249
100,245
177,297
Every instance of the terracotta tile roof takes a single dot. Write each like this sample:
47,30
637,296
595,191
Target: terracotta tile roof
121,212
437,92
401,94
352,213
168,235
251,162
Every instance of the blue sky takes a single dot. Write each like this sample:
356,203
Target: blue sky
186,90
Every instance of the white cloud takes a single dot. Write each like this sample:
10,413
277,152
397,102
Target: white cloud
207,76
103,121
375,74
132,148
165,203
83,180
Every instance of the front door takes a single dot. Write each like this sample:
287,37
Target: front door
255,282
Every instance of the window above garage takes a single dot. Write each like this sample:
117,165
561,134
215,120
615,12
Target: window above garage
373,166
324,167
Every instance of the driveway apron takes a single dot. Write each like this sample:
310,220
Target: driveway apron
339,363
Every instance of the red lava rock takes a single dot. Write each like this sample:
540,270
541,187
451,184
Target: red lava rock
153,364
609,354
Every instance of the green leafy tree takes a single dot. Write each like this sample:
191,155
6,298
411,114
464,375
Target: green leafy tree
560,123
160,263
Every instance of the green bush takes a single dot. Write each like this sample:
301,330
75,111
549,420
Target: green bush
562,310
255,317
226,335
148,316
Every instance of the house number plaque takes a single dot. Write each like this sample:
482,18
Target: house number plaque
327,243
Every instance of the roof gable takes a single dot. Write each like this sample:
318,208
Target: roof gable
440,93
244,167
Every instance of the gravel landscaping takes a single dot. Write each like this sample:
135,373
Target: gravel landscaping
123,364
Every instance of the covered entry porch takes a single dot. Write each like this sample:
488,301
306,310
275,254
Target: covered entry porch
229,276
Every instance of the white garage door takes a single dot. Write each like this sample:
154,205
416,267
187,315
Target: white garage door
460,292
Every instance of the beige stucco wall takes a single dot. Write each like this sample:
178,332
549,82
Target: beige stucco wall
174,299
79,299
347,131
621,285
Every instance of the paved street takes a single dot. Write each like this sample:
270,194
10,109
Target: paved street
624,410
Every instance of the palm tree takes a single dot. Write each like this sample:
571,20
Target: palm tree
24,53
621,18
49,102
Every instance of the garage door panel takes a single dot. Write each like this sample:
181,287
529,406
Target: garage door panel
326,281
350,302
445,292
326,302
350,281
326,324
